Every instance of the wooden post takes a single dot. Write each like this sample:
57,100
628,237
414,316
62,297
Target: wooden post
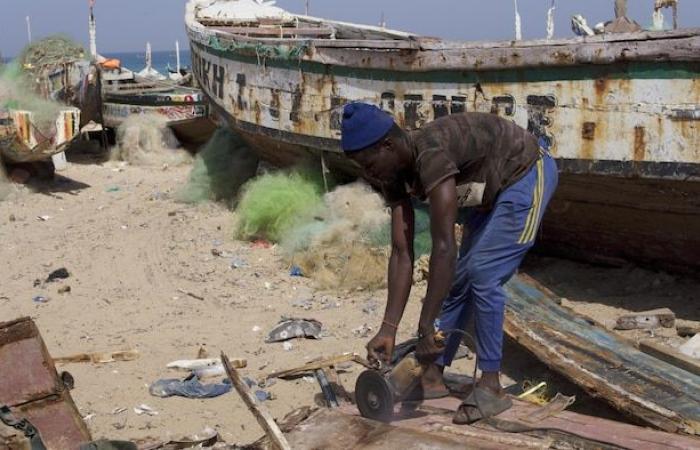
260,412
620,8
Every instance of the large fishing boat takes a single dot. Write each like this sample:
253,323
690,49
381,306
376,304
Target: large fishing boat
620,111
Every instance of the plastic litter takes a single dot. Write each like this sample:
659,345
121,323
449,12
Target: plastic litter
40,299
189,387
296,271
145,409
295,328
58,274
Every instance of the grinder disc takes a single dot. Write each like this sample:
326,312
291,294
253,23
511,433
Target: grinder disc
373,396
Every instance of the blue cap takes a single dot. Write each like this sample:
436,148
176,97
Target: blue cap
363,125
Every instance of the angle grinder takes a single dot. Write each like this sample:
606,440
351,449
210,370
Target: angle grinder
377,390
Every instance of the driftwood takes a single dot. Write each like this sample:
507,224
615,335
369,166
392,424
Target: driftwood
656,318
603,364
263,416
670,355
99,357
320,364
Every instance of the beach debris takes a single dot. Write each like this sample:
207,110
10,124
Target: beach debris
260,243
362,331
190,387
12,218
370,306
113,189
100,357
144,409
295,328
326,388
205,367
296,271
237,263
43,218
191,294
303,303
655,318
321,363
287,346
263,416
64,289
202,353
40,299
205,438
256,329
58,274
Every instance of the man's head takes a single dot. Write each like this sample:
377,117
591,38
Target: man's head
372,139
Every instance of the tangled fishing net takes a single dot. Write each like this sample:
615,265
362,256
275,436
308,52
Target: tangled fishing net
220,168
146,140
275,203
16,94
50,53
340,239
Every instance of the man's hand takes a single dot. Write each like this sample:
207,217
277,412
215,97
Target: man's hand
427,350
381,347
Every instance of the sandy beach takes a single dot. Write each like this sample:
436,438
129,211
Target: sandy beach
143,276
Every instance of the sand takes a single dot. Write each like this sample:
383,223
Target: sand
132,251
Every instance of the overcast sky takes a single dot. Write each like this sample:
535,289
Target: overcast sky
126,25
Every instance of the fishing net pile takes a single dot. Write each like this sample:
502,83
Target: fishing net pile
220,168
17,94
340,239
146,140
50,53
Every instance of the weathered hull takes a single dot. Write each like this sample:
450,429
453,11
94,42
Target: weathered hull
21,142
627,122
187,113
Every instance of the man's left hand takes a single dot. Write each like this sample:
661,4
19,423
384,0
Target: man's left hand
427,350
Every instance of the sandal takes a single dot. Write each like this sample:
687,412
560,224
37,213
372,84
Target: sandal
480,404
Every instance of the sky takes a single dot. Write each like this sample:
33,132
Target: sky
126,25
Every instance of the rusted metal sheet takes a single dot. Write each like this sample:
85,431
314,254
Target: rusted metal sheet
32,389
602,363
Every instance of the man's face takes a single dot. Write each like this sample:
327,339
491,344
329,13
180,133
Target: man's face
379,162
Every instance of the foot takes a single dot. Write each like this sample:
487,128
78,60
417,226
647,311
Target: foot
430,386
491,400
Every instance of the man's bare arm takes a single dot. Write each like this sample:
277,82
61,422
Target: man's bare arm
400,262
443,214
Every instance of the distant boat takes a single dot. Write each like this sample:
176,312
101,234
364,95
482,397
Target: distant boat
619,111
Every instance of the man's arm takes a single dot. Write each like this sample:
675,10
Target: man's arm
400,280
443,214
400,262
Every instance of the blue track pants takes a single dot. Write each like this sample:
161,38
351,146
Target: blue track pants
493,246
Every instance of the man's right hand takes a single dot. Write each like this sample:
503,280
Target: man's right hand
381,347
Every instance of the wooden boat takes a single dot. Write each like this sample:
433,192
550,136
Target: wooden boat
22,142
148,92
619,111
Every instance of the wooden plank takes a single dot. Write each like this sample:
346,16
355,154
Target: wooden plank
263,416
603,364
670,355
279,31
99,357
656,318
320,364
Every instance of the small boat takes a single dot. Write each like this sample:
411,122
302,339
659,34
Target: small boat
22,142
149,92
619,111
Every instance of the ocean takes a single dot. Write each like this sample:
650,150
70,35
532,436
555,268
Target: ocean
136,61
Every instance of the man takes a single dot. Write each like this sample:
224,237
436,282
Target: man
474,160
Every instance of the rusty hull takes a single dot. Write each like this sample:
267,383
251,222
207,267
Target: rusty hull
32,389
620,114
